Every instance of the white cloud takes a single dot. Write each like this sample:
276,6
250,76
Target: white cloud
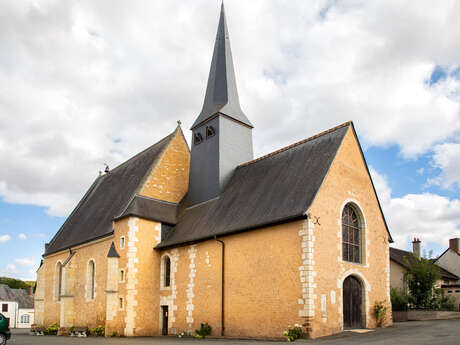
5,238
106,79
25,262
11,269
22,236
447,157
431,217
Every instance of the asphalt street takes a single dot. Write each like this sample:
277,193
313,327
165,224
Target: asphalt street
445,332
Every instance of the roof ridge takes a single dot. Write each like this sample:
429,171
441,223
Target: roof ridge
296,144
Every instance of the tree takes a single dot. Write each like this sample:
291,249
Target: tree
15,283
422,276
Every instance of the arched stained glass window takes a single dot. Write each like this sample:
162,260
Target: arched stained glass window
351,235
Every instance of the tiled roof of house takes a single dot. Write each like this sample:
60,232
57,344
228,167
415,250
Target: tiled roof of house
402,257
24,300
276,188
107,199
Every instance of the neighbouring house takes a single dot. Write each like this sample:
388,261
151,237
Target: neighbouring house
175,237
399,263
17,305
450,260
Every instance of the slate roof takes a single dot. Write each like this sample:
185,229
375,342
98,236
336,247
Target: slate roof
400,256
24,300
221,92
106,199
154,209
275,188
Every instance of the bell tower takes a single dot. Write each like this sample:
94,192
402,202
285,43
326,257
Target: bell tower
222,134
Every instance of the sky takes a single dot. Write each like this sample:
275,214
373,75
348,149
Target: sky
83,83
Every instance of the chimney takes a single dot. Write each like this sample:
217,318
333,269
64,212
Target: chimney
416,247
31,290
454,244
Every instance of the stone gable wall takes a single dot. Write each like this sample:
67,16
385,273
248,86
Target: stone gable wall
169,179
347,181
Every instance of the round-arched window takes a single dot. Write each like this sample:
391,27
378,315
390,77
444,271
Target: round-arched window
91,279
351,235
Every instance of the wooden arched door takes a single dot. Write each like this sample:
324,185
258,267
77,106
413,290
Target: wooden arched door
352,303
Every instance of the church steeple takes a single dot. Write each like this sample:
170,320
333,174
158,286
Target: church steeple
222,134
221,93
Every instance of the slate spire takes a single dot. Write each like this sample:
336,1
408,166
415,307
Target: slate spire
221,93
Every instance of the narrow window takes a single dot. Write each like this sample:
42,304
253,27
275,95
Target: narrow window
58,287
167,271
5,308
121,303
122,275
197,138
91,279
210,132
122,242
351,235
25,318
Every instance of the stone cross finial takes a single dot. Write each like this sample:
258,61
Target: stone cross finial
179,122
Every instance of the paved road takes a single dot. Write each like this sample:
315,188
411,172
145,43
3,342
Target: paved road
445,332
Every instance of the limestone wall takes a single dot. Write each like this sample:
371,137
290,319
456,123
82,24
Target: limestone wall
74,307
346,182
168,180
262,285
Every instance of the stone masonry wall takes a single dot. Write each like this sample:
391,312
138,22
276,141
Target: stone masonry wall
262,286
81,312
347,181
169,179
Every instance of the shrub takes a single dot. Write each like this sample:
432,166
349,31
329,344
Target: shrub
441,302
204,331
380,313
399,300
99,331
422,276
293,333
51,329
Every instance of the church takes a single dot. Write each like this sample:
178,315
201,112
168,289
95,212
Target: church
179,236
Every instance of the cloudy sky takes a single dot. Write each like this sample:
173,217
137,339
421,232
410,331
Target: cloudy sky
83,83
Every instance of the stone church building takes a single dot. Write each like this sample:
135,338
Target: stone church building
174,237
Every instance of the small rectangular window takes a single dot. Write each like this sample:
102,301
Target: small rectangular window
457,290
122,275
122,242
5,308
121,302
450,291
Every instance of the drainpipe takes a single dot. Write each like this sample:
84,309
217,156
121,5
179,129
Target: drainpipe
222,286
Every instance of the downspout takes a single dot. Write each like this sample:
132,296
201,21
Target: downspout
222,287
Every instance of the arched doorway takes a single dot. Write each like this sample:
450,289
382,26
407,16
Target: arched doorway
352,303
